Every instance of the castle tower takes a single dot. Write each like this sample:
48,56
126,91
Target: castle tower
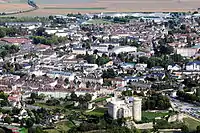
137,109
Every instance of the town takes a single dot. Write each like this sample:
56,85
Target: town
100,73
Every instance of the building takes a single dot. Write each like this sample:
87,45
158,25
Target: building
79,51
96,80
186,52
140,67
174,67
54,74
193,66
131,107
123,49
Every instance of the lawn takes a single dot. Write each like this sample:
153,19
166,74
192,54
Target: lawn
63,126
97,21
191,123
97,112
101,99
152,115
43,105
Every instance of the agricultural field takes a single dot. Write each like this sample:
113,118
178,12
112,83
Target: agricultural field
52,7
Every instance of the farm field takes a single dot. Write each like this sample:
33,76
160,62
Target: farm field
52,7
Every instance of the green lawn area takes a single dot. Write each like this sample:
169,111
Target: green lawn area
43,105
97,112
100,99
61,127
153,115
98,21
191,123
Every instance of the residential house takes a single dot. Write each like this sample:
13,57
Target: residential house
174,67
193,66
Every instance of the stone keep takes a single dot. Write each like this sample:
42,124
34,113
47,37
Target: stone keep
137,109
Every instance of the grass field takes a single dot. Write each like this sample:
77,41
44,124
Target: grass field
98,21
97,112
61,127
42,105
191,123
153,115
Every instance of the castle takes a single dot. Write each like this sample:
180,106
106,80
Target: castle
130,107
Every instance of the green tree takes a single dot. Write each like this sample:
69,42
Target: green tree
110,73
198,129
7,119
3,54
185,129
127,93
33,95
66,80
29,123
88,97
2,33
73,96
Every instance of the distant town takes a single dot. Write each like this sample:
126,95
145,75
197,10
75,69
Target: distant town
100,73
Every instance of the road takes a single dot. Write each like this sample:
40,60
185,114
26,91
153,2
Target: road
187,108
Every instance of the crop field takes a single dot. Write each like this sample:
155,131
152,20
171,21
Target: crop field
52,7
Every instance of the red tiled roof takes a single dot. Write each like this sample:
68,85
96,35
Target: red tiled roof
16,40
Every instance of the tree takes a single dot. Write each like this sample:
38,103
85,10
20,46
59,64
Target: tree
185,129
198,129
39,130
15,111
110,73
177,57
29,123
33,95
7,119
88,97
50,17
66,80
90,59
127,93
73,96
143,59
165,49
2,33
88,84
3,54
40,31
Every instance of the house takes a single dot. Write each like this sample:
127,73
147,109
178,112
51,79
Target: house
127,65
193,66
157,68
123,49
140,67
62,74
16,41
27,24
79,51
103,48
96,80
174,67
119,82
187,52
